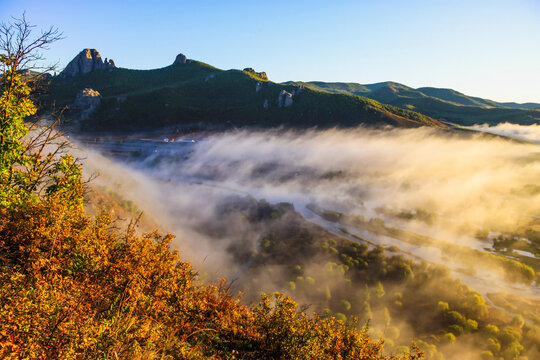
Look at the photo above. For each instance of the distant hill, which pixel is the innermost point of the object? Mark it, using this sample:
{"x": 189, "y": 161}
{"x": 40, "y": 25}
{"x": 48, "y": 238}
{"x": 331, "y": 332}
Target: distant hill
{"x": 191, "y": 95}
{"x": 446, "y": 104}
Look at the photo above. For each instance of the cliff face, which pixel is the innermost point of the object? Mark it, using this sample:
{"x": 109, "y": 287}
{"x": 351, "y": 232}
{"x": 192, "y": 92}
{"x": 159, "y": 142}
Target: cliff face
{"x": 86, "y": 103}
{"x": 87, "y": 61}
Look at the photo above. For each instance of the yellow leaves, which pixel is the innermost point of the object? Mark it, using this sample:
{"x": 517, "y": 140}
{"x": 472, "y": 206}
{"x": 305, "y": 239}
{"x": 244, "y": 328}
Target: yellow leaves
{"x": 132, "y": 296}
{"x": 131, "y": 322}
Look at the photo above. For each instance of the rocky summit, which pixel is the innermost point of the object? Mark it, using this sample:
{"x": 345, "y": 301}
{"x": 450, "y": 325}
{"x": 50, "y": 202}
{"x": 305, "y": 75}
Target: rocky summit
{"x": 180, "y": 59}
{"x": 87, "y": 61}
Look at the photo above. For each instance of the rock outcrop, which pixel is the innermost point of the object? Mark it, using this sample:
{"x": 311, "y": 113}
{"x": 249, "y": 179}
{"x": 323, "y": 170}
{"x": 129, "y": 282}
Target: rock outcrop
{"x": 285, "y": 99}
{"x": 180, "y": 59}
{"x": 86, "y": 103}
{"x": 262, "y": 74}
{"x": 87, "y": 61}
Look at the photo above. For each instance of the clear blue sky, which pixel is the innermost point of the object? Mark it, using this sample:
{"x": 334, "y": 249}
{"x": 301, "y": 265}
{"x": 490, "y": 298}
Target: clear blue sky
{"x": 486, "y": 48}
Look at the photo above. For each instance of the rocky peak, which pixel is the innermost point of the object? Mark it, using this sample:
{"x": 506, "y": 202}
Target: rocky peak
{"x": 180, "y": 59}
{"x": 87, "y": 61}
{"x": 110, "y": 63}
{"x": 262, "y": 74}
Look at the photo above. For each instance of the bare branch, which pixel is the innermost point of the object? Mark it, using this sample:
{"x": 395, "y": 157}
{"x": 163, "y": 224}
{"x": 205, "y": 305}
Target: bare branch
{"x": 17, "y": 44}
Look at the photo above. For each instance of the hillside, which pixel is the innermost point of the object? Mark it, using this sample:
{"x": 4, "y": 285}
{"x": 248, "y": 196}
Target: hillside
{"x": 194, "y": 96}
{"x": 95, "y": 294}
{"x": 438, "y": 103}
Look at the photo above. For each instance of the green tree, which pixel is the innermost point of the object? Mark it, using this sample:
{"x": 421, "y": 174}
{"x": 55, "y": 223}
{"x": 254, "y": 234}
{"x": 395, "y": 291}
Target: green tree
{"x": 517, "y": 321}
{"x": 449, "y": 338}
{"x": 31, "y": 161}
{"x": 378, "y": 291}
{"x": 386, "y": 317}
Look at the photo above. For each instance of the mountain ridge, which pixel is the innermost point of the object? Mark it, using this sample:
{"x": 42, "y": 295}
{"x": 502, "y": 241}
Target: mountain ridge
{"x": 427, "y": 91}
{"x": 191, "y": 95}
{"x": 439, "y": 103}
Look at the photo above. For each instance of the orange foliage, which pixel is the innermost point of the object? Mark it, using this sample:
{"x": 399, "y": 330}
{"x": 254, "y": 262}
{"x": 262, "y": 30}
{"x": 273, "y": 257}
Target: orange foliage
{"x": 72, "y": 288}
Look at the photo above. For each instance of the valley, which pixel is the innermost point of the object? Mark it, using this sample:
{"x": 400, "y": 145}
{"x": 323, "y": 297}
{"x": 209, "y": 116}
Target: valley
{"x": 269, "y": 211}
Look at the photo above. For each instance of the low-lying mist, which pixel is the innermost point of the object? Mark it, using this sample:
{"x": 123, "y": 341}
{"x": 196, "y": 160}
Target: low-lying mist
{"x": 442, "y": 184}
{"x": 529, "y": 133}
{"x": 478, "y": 181}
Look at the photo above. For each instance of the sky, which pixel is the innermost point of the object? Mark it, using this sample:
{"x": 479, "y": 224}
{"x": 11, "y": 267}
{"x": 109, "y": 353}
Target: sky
{"x": 485, "y": 48}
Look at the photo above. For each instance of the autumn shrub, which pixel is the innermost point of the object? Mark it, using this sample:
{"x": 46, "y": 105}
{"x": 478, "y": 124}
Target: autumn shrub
{"x": 72, "y": 287}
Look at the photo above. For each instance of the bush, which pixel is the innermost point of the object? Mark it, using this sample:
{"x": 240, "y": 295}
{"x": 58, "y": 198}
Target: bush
{"x": 494, "y": 346}
{"x": 345, "y": 305}
{"x": 392, "y": 332}
{"x": 471, "y": 325}
{"x": 517, "y": 321}
{"x": 490, "y": 330}
{"x": 455, "y": 318}
{"x": 291, "y": 285}
{"x": 378, "y": 291}
{"x": 486, "y": 355}
{"x": 456, "y": 330}
{"x": 512, "y": 350}
{"x": 449, "y": 338}
{"x": 442, "y": 307}
{"x": 509, "y": 335}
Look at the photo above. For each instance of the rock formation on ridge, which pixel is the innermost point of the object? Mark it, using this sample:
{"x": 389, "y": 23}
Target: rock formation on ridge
{"x": 180, "y": 59}
{"x": 87, "y": 61}
{"x": 261, "y": 74}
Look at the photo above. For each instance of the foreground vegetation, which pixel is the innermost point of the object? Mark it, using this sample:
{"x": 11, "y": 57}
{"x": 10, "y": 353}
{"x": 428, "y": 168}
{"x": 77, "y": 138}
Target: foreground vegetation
{"x": 71, "y": 288}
